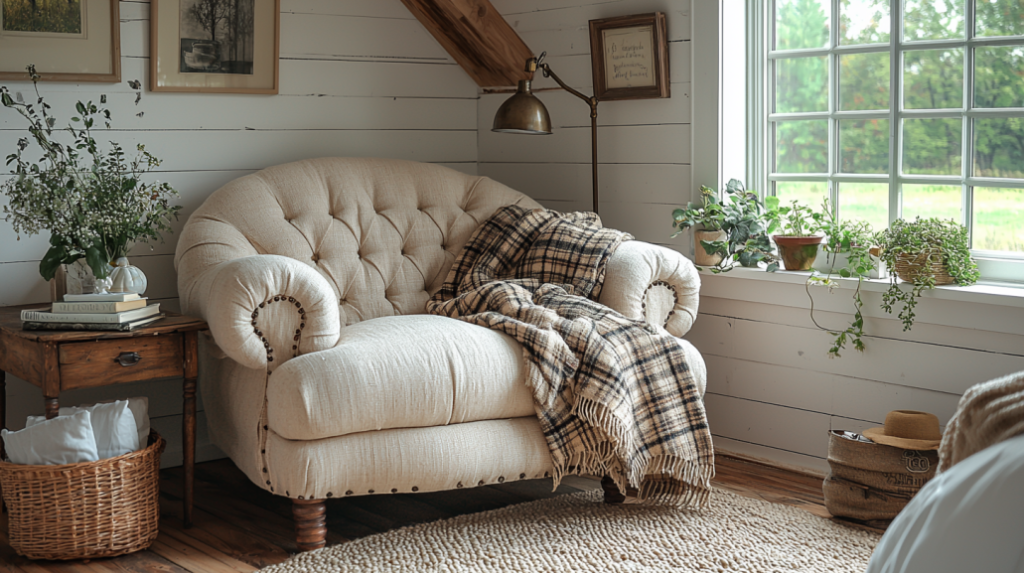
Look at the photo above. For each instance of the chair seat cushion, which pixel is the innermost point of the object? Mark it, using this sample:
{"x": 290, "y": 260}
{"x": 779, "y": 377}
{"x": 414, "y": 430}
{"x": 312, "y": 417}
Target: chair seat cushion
{"x": 410, "y": 371}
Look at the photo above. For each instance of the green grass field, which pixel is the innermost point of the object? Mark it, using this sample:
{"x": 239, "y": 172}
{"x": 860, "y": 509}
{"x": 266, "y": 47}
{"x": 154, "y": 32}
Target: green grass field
{"x": 998, "y": 213}
{"x": 53, "y": 16}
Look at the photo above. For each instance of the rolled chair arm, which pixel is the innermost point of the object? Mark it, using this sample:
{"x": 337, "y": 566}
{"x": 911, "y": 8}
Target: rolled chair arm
{"x": 265, "y": 309}
{"x": 652, "y": 283}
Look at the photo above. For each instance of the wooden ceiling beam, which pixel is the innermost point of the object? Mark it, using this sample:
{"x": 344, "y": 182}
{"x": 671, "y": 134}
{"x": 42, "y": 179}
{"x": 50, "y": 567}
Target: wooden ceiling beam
{"x": 477, "y": 37}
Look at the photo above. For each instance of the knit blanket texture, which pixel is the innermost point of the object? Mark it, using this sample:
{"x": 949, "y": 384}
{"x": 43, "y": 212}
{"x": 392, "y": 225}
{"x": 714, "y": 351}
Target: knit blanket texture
{"x": 614, "y": 395}
{"x": 987, "y": 414}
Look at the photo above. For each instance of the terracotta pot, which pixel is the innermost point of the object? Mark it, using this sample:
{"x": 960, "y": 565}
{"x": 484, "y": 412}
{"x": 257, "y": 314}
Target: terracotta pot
{"x": 700, "y": 256}
{"x": 798, "y": 253}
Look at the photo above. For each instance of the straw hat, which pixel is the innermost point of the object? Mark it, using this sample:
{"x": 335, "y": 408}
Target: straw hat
{"x": 908, "y": 429}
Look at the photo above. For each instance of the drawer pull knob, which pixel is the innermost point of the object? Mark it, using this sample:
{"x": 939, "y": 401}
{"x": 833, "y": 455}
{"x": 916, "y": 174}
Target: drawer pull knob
{"x": 128, "y": 358}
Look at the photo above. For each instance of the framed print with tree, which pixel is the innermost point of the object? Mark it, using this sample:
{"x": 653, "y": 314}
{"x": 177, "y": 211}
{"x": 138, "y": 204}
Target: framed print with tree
{"x": 630, "y": 57}
{"x": 215, "y": 46}
{"x": 66, "y": 40}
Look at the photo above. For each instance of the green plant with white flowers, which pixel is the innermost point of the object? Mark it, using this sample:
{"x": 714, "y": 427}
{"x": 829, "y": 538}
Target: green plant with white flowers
{"x": 94, "y": 203}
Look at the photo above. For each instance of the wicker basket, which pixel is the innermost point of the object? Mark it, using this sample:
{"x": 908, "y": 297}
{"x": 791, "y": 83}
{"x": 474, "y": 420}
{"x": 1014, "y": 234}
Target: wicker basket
{"x": 907, "y": 268}
{"x": 86, "y": 510}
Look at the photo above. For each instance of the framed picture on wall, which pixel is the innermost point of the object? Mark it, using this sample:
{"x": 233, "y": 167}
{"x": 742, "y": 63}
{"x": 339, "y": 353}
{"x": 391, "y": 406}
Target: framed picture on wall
{"x": 215, "y": 46}
{"x": 630, "y": 57}
{"x": 66, "y": 40}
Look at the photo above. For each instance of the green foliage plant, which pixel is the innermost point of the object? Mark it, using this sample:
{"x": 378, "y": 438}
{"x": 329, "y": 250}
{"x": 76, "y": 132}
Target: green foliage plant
{"x": 934, "y": 241}
{"x": 853, "y": 238}
{"x": 94, "y": 203}
{"x": 795, "y": 220}
{"x": 744, "y": 219}
{"x": 709, "y": 213}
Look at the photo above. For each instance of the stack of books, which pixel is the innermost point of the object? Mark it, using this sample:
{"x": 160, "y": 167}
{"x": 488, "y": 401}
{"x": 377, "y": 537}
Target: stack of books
{"x": 113, "y": 311}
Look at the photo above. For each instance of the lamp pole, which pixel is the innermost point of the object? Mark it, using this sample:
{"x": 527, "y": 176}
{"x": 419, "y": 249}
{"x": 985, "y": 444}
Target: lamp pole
{"x": 592, "y": 101}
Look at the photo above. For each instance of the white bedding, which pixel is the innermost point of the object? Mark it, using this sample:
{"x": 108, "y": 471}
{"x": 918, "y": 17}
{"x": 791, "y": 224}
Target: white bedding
{"x": 970, "y": 518}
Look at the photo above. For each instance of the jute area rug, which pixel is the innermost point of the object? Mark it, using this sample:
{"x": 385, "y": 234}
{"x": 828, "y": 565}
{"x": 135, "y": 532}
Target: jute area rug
{"x": 580, "y": 533}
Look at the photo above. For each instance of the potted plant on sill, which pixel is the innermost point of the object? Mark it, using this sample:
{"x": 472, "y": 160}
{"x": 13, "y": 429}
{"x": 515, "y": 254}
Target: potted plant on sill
{"x": 924, "y": 253}
{"x": 846, "y": 244}
{"x": 742, "y": 225}
{"x": 798, "y": 239}
{"x": 706, "y": 219}
{"x": 95, "y": 204}
{"x": 849, "y": 253}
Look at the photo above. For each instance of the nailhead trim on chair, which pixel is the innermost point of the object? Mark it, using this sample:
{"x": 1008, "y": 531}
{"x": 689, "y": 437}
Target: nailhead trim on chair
{"x": 270, "y": 351}
{"x": 298, "y": 332}
{"x": 675, "y": 299}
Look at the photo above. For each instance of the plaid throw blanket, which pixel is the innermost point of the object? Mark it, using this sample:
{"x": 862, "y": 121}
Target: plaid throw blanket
{"x": 614, "y": 396}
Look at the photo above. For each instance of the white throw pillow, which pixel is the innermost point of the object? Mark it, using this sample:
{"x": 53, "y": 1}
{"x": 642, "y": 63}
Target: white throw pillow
{"x": 140, "y": 410}
{"x": 113, "y": 425}
{"x": 62, "y": 440}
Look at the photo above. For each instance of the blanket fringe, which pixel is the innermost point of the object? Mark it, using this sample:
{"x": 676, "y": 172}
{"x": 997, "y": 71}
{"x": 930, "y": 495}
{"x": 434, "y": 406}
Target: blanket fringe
{"x": 677, "y": 481}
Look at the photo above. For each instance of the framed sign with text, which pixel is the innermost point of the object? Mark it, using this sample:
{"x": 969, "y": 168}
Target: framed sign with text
{"x": 630, "y": 57}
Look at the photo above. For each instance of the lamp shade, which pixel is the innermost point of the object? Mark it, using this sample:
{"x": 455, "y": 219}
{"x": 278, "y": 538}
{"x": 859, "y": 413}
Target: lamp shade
{"x": 522, "y": 113}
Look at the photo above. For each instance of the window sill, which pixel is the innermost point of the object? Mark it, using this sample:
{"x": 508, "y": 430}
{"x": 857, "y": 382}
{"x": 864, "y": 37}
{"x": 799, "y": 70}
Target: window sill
{"x": 990, "y": 293}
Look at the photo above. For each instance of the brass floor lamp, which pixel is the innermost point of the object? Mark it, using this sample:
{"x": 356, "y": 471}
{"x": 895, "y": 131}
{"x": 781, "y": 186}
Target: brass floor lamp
{"x": 524, "y": 113}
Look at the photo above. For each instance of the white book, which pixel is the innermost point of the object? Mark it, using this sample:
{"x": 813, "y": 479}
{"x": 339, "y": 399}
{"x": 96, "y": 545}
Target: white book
{"x": 109, "y": 297}
{"x": 96, "y": 307}
{"x": 109, "y": 318}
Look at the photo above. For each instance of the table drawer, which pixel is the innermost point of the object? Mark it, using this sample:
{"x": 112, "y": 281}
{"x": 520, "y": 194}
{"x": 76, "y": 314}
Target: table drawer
{"x": 102, "y": 362}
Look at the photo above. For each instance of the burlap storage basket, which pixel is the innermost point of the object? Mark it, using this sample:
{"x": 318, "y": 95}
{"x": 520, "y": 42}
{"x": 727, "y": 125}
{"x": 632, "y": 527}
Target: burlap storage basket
{"x": 873, "y": 482}
{"x": 92, "y": 509}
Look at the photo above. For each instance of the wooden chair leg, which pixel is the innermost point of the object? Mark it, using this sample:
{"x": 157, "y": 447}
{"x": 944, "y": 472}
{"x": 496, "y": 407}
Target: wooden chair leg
{"x": 611, "y": 491}
{"x": 310, "y": 523}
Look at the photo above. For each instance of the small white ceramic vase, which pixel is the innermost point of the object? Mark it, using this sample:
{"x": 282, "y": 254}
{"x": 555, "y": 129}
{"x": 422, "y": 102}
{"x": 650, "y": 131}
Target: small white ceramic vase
{"x": 126, "y": 278}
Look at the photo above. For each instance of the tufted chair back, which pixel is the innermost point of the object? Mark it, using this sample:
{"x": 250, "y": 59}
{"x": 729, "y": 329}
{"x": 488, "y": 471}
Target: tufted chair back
{"x": 383, "y": 232}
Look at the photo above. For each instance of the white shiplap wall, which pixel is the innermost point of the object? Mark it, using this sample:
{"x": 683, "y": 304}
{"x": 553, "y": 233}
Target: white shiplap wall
{"x": 358, "y": 78}
{"x": 772, "y": 392}
{"x": 643, "y": 145}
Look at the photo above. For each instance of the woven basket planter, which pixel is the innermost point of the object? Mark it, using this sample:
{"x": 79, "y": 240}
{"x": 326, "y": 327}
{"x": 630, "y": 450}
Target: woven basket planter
{"x": 908, "y": 267}
{"x": 82, "y": 511}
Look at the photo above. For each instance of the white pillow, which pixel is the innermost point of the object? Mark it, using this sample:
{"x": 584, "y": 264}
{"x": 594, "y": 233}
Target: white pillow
{"x": 62, "y": 440}
{"x": 113, "y": 425}
{"x": 140, "y": 410}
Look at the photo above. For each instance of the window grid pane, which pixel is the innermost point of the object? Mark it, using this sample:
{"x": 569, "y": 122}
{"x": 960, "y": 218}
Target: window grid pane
{"x": 951, "y": 141}
{"x": 997, "y": 219}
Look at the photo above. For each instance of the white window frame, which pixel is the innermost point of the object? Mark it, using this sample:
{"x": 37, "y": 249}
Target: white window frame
{"x": 996, "y": 266}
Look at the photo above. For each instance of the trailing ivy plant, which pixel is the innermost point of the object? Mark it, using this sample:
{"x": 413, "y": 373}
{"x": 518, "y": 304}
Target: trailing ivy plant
{"x": 94, "y": 203}
{"x": 744, "y": 219}
{"x": 853, "y": 238}
{"x": 935, "y": 241}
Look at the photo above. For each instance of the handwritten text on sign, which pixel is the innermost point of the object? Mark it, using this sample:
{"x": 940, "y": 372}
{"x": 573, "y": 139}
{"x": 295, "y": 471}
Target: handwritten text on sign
{"x": 629, "y": 57}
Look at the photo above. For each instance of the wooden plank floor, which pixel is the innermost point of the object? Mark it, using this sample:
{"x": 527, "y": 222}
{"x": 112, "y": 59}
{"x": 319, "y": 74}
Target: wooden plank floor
{"x": 240, "y": 527}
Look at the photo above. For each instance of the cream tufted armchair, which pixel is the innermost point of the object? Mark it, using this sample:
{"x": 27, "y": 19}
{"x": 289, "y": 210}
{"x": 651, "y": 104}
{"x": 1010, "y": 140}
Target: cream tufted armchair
{"x": 322, "y": 377}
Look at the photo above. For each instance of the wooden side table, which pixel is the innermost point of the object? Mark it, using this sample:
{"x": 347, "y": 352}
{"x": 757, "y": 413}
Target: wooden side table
{"x": 72, "y": 359}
